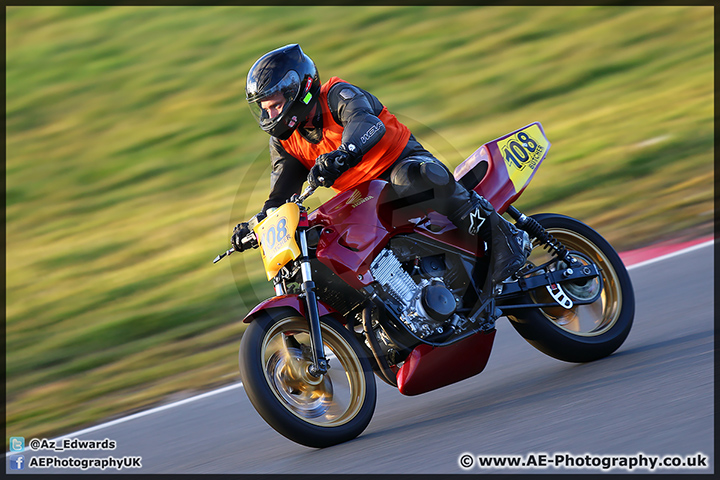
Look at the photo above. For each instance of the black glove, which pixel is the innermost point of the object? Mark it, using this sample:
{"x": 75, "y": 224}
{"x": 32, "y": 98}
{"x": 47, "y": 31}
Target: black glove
{"x": 241, "y": 231}
{"x": 330, "y": 166}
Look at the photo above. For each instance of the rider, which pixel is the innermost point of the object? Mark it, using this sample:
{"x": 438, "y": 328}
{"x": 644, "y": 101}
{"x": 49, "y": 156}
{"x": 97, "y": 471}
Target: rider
{"x": 338, "y": 135}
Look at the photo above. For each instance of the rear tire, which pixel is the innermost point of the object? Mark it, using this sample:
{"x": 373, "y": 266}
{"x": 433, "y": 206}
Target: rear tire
{"x": 274, "y": 356}
{"x": 584, "y": 332}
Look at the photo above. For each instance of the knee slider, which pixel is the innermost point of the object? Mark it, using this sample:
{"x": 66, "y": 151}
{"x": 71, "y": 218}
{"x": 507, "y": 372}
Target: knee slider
{"x": 434, "y": 175}
{"x": 415, "y": 176}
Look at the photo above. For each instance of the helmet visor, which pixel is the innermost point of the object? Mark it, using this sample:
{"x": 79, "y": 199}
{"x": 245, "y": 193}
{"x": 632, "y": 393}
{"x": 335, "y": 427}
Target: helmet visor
{"x": 268, "y": 106}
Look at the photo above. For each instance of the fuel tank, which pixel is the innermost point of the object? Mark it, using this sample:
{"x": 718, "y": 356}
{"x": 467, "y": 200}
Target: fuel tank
{"x": 356, "y": 226}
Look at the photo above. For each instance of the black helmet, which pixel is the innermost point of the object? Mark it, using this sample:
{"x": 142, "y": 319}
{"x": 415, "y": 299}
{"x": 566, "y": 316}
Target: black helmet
{"x": 286, "y": 70}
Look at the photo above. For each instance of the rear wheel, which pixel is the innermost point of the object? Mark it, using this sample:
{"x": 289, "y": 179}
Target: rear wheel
{"x": 582, "y": 333}
{"x": 316, "y": 412}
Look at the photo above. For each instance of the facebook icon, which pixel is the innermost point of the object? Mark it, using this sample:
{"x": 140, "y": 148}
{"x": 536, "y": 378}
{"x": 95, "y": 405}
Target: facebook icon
{"x": 17, "y": 462}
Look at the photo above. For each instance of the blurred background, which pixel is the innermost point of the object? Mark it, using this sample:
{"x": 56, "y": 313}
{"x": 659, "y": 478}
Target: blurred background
{"x": 131, "y": 154}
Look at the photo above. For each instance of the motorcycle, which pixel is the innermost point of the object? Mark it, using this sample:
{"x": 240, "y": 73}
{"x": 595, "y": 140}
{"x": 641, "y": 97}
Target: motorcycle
{"x": 369, "y": 285}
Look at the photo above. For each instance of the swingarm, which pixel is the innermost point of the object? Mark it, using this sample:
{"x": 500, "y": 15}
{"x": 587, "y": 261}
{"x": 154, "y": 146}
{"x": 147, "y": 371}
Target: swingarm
{"x": 553, "y": 281}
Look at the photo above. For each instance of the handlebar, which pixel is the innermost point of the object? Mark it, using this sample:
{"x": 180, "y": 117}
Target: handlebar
{"x": 309, "y": 190}
{"x": 223, "y": 255}
{"x": 248, "y": 240}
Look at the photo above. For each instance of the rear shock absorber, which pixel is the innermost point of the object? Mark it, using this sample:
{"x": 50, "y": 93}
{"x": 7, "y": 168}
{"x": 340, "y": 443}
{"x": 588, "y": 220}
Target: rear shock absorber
{"x": 536, "y": 230}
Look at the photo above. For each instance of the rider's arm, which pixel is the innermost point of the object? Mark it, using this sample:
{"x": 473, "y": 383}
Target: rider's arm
{"x": 357, "y": 111}
{"x": 287, "y": 177}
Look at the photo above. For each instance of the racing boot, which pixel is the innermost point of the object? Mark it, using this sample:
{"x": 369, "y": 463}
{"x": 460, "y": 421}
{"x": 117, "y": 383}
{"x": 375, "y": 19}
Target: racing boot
{"x": 509, "y": 246}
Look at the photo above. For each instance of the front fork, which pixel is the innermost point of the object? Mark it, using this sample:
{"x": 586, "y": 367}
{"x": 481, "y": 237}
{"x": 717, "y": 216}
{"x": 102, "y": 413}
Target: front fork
{"x": 319, "y": 364}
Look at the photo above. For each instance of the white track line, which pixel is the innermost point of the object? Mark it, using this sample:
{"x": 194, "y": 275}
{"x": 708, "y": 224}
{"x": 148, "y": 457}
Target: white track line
{"x": 140, "y": 414}
{"x": 239, "y": 385}
{"x": 670, "y": 255}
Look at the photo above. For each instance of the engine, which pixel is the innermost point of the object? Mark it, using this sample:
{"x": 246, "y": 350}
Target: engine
{"x": 427, "y": 306}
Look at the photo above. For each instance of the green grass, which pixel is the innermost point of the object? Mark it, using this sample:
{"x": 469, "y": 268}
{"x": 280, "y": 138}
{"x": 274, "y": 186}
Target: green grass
{"x": 131, "y": 154}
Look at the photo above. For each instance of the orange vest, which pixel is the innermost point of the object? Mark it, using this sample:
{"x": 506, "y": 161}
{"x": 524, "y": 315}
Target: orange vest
{"x": 373, "y": 163}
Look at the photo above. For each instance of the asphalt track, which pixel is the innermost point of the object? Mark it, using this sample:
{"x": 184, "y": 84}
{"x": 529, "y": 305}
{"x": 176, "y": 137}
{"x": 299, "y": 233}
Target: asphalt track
{"x": 653, "y": 397}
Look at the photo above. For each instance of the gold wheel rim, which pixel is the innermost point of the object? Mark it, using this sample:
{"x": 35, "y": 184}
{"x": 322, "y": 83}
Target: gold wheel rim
{"x": 329, "y": 401}
{"x": 583, "y": 320}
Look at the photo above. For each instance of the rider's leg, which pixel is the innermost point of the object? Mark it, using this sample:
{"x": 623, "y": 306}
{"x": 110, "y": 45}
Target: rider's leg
{"x": 467, "y": 210}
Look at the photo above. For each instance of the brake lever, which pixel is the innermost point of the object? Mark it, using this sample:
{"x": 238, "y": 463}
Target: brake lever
{"x": 309, "y": 190}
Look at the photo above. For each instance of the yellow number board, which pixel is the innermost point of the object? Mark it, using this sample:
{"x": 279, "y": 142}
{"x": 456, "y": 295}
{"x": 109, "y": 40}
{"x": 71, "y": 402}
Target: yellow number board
{"x": 276, "y": 236}
{"x": 522, "y": 151}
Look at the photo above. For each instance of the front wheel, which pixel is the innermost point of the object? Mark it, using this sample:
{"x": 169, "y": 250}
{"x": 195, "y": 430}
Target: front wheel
{"x": 316, "y": 412}
{"x": 582, "y": 333}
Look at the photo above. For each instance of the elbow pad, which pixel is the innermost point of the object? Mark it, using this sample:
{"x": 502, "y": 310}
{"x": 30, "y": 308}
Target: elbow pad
{"x": 361, "y": 135}
{"x": 356, "y": 110}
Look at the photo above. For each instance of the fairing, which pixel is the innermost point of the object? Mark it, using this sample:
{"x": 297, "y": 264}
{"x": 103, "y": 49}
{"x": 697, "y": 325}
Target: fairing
{"x": 429, "y": 368}
{"x": 495, "y": 174}
{"x": 357, "y": 225}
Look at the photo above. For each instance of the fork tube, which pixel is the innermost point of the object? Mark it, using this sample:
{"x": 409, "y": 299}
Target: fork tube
{"x": 319, "y": 366}
{"x": 278, "y": 286}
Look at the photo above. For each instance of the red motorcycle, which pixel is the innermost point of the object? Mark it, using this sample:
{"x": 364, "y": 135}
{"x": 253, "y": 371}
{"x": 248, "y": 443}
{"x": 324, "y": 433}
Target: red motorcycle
{"x": 368, "y": 284}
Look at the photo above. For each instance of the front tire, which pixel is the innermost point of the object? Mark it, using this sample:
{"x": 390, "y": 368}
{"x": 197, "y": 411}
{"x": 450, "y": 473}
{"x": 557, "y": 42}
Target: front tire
{"x": 582, "y": 333}
{"x": 315, "y": 412}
